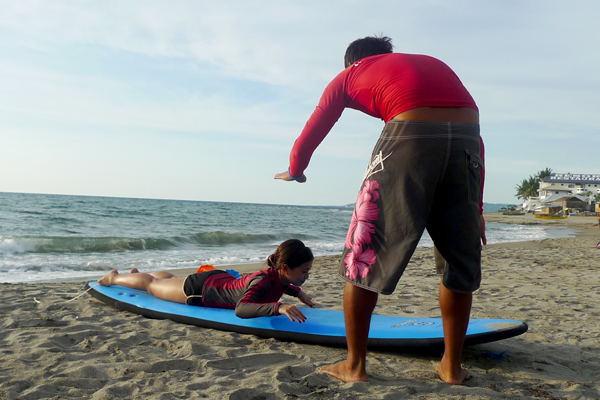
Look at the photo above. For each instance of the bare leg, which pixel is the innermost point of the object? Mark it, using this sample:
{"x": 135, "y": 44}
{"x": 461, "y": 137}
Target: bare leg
{"x": 359, "y": 304}
{"x": 456, "y": 308}
{"x": 161, "y": 274}
{"x": 157, "y": 274}
{"x": 170, "y": 288}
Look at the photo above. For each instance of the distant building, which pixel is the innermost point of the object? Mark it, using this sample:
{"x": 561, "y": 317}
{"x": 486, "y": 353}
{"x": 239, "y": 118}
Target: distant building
{"x": 579, "y": 184}
{"x": 567, "y": 189}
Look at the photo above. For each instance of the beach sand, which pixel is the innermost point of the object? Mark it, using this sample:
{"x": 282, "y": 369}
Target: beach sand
{"x": 83, "y": 349}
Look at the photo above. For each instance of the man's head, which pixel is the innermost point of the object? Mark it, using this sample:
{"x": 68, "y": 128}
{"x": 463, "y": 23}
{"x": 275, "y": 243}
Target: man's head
{"x": 365, "y": 47}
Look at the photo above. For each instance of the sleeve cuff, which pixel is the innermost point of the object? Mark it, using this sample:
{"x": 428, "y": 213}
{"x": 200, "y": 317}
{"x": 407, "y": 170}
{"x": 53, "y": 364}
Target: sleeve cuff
{"x": 293, "y": 178}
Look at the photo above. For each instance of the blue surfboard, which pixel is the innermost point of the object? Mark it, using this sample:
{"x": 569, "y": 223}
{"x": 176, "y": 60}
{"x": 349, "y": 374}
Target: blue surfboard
{"x": 323, "y": 327}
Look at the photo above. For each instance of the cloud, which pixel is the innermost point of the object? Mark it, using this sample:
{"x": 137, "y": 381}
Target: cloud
{"x": 205, "y": 74}
{"x": 231, "y": 36}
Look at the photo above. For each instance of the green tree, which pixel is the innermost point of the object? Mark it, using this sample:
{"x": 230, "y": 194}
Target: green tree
{"x": 530, "y": 187}
{"x": 521, "y": 189}
{"x": 543, "y": 174}
{"x": 597, "y": 197}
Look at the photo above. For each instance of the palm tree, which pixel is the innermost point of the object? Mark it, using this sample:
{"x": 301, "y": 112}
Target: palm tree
{"x": 522, "y": 189}
{"x": 528, "y": 188}
{"x": 543, "y": 174}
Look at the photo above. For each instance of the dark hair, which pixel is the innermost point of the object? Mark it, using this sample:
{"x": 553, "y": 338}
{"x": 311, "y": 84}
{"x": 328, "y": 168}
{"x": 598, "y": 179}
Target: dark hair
{"x": 365, "y": 47}
{"x": 292, "y": 253}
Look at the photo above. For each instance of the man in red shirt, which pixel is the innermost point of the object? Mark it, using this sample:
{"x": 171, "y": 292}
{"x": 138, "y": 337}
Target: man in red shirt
{"x": 426, "y": 172}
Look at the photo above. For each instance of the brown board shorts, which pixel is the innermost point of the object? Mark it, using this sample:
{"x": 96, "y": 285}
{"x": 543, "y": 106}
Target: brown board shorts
{"x": 422, "y": 175}
{"x": 440, "y": 263}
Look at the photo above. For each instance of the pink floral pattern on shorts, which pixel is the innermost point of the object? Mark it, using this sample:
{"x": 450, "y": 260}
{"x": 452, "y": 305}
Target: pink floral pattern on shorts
{"x": 361, "y": 257}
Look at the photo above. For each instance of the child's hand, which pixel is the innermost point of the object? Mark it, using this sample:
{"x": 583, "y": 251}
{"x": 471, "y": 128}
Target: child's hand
{"x": 292, "y": 312}
{"x": 303, "y": 297}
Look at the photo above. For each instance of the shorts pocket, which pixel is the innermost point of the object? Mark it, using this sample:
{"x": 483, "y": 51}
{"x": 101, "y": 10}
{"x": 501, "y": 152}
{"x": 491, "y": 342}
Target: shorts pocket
{"x": 474, "y": 168}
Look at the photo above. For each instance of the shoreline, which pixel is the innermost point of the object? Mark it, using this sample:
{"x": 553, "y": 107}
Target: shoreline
{"x": 586, "y": 229}
{"x": 55, "y": 348}
{"x": 579, "y": 224}
{"x": 529, "y": 219}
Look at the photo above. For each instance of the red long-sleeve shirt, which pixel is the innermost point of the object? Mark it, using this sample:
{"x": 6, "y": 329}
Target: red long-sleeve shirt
{"x": 382, "y": 86}
{"x": 253, "y": 295}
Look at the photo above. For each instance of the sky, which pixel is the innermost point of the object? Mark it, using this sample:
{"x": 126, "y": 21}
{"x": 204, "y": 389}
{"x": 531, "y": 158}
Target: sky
{"x": 202, "y": 100}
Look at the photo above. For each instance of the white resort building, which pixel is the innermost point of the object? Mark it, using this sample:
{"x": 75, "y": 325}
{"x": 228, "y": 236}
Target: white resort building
{"x": 568, "y": 190}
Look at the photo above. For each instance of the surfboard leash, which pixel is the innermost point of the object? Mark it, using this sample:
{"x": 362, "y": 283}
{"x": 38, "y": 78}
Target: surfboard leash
{"x": 76, "y": 297}
{"x": 81, "y": 294}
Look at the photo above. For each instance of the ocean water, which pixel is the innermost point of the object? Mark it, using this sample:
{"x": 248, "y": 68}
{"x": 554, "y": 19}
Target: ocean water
{"x": 44, "y": 237}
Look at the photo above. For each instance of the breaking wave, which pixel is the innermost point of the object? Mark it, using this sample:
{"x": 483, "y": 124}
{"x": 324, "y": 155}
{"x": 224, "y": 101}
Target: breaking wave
{"x": 74, "y": 244}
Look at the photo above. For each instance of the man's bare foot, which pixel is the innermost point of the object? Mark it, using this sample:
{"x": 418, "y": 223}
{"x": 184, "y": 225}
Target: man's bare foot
{"x": 450, "y": 377}
{"x": 134, "y": 271}
{"x": 344, "y": 372}
{"x": 108, "y": 278}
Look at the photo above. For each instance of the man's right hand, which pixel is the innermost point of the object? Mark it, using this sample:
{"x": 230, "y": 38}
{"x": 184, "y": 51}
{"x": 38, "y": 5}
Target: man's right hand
{"x": 285, "y": 176}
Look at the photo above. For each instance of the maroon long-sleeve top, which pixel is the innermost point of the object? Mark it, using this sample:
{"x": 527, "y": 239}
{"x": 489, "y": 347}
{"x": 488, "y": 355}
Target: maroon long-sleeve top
{"x": 382, "y": 86}
{"x": 253, "y": 295}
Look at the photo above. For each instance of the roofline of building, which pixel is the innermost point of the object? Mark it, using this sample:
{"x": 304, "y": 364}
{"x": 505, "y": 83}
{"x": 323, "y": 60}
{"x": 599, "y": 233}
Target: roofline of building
{"x": 572, "y": 178}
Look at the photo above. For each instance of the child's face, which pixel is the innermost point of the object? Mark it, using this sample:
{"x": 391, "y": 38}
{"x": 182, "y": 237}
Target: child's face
{"x": 298, "y": 275}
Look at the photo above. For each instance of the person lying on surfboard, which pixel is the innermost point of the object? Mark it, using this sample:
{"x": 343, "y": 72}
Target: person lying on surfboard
{"x": 253, "y": 295}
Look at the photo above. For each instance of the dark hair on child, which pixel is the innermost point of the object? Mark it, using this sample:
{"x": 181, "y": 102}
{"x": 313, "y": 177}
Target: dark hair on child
{"x": 365, "y": 47}
{"x": 292, "y": 253}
